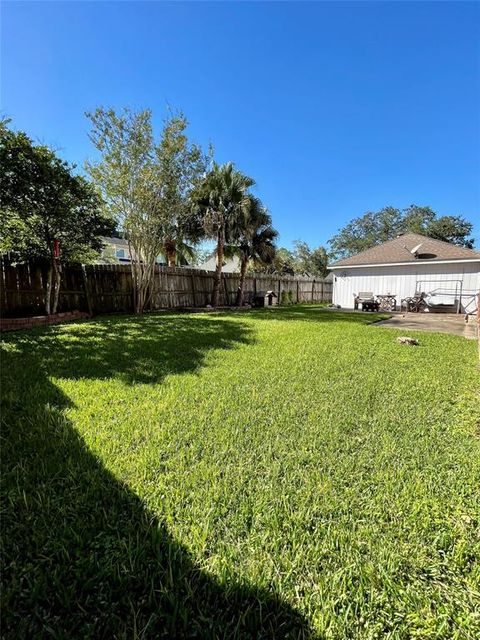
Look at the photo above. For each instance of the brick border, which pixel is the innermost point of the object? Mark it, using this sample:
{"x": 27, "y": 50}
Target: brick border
{"x": 14, "y": 324}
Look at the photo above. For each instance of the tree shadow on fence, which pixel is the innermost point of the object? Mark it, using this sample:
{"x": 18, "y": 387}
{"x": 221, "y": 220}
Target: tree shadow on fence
{"x": 82, "y": 555}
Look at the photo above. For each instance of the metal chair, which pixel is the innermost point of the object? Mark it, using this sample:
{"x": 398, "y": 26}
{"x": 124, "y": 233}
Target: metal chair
{"x": 415, "y": 303}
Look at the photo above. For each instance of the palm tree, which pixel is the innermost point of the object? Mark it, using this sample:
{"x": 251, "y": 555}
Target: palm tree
{"x": 253, "y": 239}
{"x": 221, "y": 199}
{"x": 184, "y": 234}
{"x": 178, "y": 251}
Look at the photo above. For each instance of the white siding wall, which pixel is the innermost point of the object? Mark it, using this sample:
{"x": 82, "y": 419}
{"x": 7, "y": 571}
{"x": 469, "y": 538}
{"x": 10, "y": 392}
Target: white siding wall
{"x": 401, "y": 281}
{"x": 231, "y": 265}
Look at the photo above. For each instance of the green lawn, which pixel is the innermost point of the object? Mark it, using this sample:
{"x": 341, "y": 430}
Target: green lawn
{"x": 273, "y": 474}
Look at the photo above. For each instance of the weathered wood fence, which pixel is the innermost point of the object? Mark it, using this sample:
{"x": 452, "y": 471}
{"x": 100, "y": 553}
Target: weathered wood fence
{"x": 109, "y": 288}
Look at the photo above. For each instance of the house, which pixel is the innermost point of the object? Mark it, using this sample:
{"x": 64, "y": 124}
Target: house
{"x": 411, "y": 263}
{"x": 230, "y": 265}
{"x": 116, "y": 250}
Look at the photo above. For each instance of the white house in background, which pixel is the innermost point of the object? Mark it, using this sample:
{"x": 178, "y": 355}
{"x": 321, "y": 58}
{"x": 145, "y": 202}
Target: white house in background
{"x": 230, "y": 265}
{"x": 410, "y": 263}
{"x": 116, "y": 250}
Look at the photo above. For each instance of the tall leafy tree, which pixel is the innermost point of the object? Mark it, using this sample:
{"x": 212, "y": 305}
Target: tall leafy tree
{"x": 375, "y": 227}
{"x": 253, "y": 240}
{"x": 310, "y": 261}
{"x": 303, "y": 260}
{"x": 146, "y": 184}
{"x": 414, "y": 219}
{"x": 48, "y": 213}
{"x": 283, "y": 263}
{"x": 454, "y": 229}
{"x": 181, "y": 165}
{"x": 219, "y": 201}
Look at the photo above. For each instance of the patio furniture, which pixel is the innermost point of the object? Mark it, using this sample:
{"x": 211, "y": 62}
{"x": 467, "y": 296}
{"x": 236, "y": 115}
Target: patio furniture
{"x": 367, "y": 300}
{"x": 370, "y": 305}
{"x": 415, "y": 303}
{"x": 387, "y": 302}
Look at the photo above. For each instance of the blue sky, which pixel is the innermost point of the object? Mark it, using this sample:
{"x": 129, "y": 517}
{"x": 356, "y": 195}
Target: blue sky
{"x": 334, "y": 108}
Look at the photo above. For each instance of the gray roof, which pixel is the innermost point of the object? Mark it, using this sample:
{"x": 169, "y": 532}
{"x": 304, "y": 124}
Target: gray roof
{"x": 399, "y": 250}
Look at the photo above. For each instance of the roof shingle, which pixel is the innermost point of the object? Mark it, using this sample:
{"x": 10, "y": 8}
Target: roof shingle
{"x": 399, "y": 250}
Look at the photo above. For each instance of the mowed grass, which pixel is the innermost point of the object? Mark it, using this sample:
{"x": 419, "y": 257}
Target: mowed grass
{"x": 287, "y": 473}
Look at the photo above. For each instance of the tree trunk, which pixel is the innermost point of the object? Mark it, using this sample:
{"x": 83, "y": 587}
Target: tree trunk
{"x": 241, "y": 284}
{"x": 150, "y": 284}
{"x": 218, "y": 270}
{"x": 141, "y": 292}
{"x": 143, "y": 273}
{"x": 57, "y": 270}
{"x": 48, "y": 293}
{"x": 133, "y": 267}
{"x": 145, "y": 281}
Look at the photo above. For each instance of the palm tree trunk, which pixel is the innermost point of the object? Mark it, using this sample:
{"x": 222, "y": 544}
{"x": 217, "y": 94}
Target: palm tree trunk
{"x": 241, "y": 284}
{"x": 218, "y": 270}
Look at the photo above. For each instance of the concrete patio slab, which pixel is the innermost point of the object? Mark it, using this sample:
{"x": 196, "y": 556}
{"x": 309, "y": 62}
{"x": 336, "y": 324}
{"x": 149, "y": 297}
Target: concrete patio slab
{"x": 442, "y": 323}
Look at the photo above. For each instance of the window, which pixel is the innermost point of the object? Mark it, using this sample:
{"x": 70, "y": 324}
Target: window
{"x": 120, "y": 253}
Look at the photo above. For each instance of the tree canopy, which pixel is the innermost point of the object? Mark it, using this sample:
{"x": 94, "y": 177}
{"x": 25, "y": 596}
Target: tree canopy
{"x": 146, "y": 184}
{"x": 47, "y": 212}
{"x": 302, "y": 260}
{"x": 310, "y": 261}
{"x": 375, "y": 227}
{"x": 221, "y": 201}
{"x": 252, "y": 240}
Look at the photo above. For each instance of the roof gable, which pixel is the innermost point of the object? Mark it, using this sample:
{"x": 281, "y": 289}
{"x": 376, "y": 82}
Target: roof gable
{"x": 121, "y": 242}
{"x": 400, "y": 250}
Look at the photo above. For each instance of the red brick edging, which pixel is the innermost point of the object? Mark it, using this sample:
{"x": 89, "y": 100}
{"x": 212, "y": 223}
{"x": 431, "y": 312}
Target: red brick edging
{"x": 12, "y": 324}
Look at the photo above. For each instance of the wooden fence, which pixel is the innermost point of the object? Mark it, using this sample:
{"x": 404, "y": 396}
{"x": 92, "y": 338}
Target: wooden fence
{"x": 109, "y": 288}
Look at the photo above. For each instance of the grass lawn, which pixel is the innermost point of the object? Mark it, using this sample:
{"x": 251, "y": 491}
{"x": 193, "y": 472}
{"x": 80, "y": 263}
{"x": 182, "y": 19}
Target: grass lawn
{"x": 272, "y": 474}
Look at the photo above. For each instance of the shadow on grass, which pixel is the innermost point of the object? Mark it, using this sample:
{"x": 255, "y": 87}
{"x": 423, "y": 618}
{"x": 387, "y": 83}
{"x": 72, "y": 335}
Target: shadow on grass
{"x": 319, "y": 314}
{"x": 134, "y": 349}
{"x": 82, "y": 556}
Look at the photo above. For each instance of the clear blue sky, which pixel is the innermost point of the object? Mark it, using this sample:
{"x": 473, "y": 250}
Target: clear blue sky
{"x": 334, "y": 108}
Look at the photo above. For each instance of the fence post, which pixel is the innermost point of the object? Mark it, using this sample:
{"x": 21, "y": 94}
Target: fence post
{"x": 227, "y": 299}
{"x": 192, "y": 277}
{"x": 298, "y": 285}
{"x": 88, "y": 295}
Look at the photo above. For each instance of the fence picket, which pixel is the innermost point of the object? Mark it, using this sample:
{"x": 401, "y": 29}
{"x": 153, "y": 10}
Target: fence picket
{"x": 109, "y": 288}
